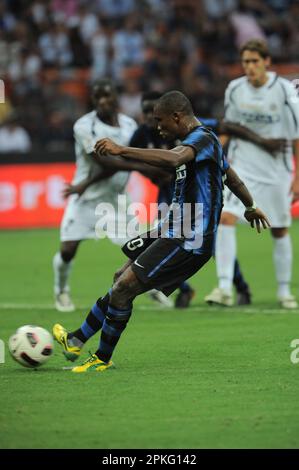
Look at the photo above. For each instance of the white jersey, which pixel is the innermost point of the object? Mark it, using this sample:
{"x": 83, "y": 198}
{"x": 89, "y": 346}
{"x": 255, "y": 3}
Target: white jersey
{"x": 87, "y": 131}
{"x": 271, "y": 111}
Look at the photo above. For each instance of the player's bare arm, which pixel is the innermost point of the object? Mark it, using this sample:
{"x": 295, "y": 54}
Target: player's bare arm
{"x": 117, "y": 163}
{"x": 159, "y": 157}
{"x": 81, "y": 187}
{"x": 252, "y": 214}
{"x": 129, "y": 164}
{"x": 236, "y": 130}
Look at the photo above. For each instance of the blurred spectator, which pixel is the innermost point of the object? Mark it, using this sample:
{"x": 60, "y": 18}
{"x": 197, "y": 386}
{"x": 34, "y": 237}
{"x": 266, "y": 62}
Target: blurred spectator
{"x": 39, "y": 11}
{"x": 101, "y": 52}
{"x": 64, "y": 10}
{"x": 216, "y": 9}
{"x": 24, "y": 70}
{"x": 88, "y": 23}
{"x": 279, "y": 6}
{"x": 113, "y": 9}
{"x": 13, "y": 137}
{"x": 80, "y": 51}
{"x": 130, "y": 99}
{"x": 292, "y": 22}
{"x": 55, "y": 46}
{"x": 245, "y": 24}
{"x": 128, "y": 45}
{"x": 7, "y": 20}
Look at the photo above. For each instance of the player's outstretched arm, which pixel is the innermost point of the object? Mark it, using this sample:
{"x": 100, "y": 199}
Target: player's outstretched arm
{"x": 153, "y": 172}
{"x": 252, "y": 213}
{"x": 236, "y": 130}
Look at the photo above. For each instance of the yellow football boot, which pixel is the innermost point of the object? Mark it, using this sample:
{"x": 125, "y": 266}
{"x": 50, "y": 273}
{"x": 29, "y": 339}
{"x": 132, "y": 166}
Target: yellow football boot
{"x": 93, "y": 364}
{"x": 60, "y": 335}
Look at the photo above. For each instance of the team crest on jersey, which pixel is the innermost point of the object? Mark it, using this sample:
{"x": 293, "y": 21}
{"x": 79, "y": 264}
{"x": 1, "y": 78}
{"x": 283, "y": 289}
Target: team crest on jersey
{"x": 181, "y": 172}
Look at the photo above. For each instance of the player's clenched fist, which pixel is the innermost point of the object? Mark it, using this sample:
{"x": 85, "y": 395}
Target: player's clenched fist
{"x": 107, "y": 147}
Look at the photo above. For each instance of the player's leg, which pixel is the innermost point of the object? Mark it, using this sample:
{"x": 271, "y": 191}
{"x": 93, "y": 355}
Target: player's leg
{"x": 123, "y": 292}
{"x": 283, "y": 257}
{"x": 242, "y": 287}
{"x": 62, "y": 266}
{"x": 185, "y": 295}
{"x": 226, "y": 250}
{"x": 225, "y": 255}
{"x": 119, "y": 311}
{"x": 72, "y": 342}
{"x": 96, "y": 316}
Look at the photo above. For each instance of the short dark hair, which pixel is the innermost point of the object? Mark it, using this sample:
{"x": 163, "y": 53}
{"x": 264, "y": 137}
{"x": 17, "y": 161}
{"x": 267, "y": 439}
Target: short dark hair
{"x": 150, "y": 96}
{"x": 175, "y": 101}
{"x": 99, "y": 86}
{"x": 256, "y": 45}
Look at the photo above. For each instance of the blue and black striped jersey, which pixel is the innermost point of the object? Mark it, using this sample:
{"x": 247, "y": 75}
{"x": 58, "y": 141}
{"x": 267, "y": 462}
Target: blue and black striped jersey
{"x": 197, "y": 196}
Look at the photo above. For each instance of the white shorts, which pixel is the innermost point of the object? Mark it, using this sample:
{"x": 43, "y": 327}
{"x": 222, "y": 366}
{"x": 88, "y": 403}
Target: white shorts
{"x": 80, "y": 220}
{"x": 274, "y": 200}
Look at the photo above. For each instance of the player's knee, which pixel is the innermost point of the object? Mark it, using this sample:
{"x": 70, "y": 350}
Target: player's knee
{"x": 121, "y": 291}
{"x": 67, "y": 255}
{"x": 68, "y": 250}
{"x": 228, "y": 219}
{"x": 279, "y": 232}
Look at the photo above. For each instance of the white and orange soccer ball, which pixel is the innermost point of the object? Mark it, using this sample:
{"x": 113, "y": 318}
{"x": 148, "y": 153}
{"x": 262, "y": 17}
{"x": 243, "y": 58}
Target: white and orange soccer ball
{"x": 31, "y": 346}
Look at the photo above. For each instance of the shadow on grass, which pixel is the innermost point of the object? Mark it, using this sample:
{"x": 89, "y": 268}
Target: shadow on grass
{"x": 44, "y": 370}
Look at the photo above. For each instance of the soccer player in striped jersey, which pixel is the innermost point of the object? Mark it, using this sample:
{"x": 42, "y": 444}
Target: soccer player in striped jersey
{"x": 173, "y": 255}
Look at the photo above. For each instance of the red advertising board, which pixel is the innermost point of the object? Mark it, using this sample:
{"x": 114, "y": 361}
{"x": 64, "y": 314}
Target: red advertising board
{"x": 31, "y": 195}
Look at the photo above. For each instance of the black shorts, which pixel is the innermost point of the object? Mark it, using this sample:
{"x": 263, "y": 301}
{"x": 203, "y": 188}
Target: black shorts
{"x": 161, "y": 263}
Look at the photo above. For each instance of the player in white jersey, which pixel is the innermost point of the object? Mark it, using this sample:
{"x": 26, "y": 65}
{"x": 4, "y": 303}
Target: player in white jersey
{"x": 79, "y": 218}
{"x": 268, "y": 105}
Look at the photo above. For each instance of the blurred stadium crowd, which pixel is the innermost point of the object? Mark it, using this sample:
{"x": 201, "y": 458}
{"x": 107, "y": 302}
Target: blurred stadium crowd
{"x": 51, "y": 50}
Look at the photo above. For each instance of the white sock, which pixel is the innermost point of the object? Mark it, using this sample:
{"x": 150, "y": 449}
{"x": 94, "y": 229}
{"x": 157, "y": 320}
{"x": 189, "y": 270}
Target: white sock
{"x": 61, "y": 274}
{"x": 225, "y": 256}
{"x": 283, "y": 258}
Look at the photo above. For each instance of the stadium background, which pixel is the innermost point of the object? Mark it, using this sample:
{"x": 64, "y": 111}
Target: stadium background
{"x": 199, "y": 378}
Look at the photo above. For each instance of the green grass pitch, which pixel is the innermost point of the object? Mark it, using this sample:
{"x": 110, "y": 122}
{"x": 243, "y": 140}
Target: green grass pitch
{"x": 200, "y": 378}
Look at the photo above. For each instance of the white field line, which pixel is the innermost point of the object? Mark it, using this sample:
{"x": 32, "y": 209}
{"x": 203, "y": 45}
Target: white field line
{"x": 208, "y": 309}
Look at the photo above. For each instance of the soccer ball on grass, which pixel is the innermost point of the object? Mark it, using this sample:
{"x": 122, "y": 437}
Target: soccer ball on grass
{"x": 31, "y": 346}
